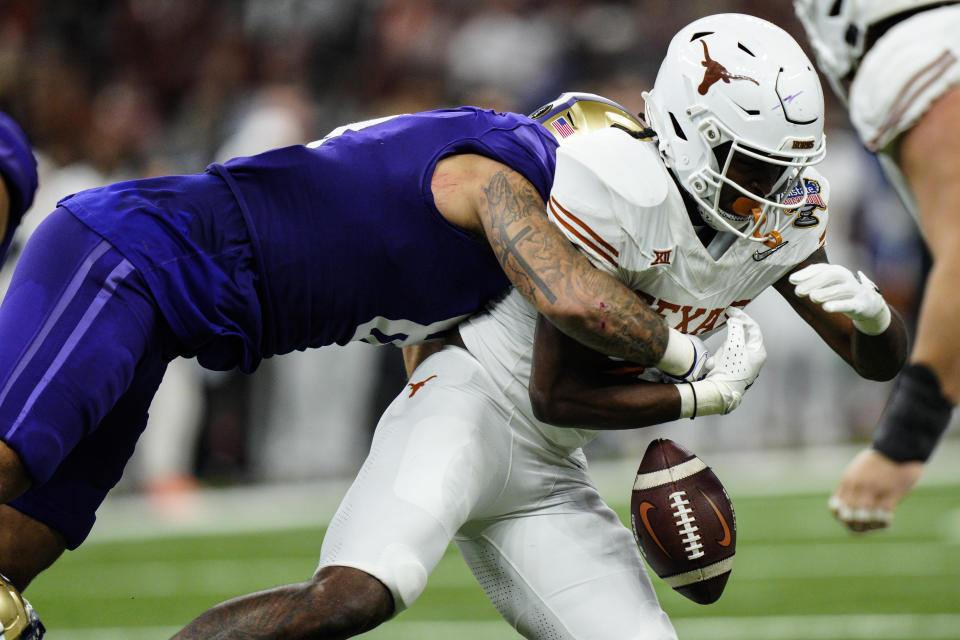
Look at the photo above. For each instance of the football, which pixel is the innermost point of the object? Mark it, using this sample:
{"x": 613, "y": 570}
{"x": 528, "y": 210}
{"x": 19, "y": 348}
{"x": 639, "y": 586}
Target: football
{"x": 683, "y": 521}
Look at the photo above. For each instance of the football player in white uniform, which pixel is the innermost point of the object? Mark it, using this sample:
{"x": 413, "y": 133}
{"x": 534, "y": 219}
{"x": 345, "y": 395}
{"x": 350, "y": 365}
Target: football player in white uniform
{"x": 466, "y": 453}
{"x": 896, "y": 63}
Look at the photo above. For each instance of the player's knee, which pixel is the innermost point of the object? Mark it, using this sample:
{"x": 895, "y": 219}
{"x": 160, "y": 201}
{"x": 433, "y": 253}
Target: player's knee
{"x": 362, "y": 601}
{"x": 404, "y": 574}
{"x": 400, "y": 571}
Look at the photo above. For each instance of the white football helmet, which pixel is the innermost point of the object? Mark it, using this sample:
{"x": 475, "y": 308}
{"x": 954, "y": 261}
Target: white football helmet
{"x": 837, "y": 30}
{"x": 737, "y": 79}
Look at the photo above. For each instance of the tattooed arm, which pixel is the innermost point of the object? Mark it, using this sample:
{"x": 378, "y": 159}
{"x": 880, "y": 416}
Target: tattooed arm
{"x": 490, "y": 200}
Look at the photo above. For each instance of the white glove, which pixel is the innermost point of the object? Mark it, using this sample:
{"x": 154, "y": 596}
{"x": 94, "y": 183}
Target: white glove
{"x": 837, "y": 290}
{"x": 699, "y": 367}
{"x": 731, "y": 371}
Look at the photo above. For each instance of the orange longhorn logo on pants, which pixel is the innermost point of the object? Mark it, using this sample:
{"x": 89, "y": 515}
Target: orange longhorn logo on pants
{"x": 415, "y": 386}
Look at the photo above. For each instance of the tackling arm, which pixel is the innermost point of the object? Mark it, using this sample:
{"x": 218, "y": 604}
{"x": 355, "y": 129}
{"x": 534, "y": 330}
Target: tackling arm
{"x": 875, "y": 357}
{"x": 586, "y": 304}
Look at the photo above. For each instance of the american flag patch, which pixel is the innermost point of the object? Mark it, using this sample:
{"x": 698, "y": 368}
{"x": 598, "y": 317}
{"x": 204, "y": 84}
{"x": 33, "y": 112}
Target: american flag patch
{"x": 813, "y": 194}
{"x": 562, "y": 127}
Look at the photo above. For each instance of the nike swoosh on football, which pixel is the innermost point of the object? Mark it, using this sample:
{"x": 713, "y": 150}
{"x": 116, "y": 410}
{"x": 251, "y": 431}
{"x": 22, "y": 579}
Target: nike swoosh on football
{"x": 644, "y": 507}
{"x": 760, "y": 255}
{"x": 725, "y": 540}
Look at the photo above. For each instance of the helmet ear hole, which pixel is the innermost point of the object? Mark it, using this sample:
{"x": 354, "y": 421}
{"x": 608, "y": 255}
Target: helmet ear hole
{"x": 676, "y": 127}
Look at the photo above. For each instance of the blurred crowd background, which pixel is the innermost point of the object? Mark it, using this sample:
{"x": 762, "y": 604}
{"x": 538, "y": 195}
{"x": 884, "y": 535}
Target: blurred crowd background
{"x": 111, "y": 90}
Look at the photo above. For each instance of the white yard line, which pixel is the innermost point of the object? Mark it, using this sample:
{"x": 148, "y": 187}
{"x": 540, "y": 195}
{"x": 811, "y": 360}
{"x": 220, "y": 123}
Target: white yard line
{"x": 206, "y": 577}
{"x": 816, "y": 627}
{"x": 813, "y": 627}
{"x": 762, "y": 472}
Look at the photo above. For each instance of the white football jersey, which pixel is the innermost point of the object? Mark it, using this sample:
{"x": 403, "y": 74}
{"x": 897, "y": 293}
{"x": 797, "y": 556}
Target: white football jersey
{"x": 501, "y": 338}
{"x": 615, "y": 200}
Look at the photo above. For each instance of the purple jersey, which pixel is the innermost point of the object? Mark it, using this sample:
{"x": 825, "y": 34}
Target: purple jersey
{"x": 294, "y": 248}
{"x": 344, "y": 239}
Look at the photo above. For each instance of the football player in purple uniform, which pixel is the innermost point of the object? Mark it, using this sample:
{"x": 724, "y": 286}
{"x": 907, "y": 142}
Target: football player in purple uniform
{"x": 387, "y": 231}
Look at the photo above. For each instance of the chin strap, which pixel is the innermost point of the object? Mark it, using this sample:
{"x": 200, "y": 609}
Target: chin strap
{"x": 771, "y": 238}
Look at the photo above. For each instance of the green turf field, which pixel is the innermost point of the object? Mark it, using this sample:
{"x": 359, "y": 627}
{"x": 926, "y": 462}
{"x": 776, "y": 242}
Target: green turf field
{"x": 798, "y": 575}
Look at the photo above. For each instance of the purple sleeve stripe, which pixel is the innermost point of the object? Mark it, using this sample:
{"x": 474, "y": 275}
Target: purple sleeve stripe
{"x": 65, "y": 298}
{"x": 121, "y": 271}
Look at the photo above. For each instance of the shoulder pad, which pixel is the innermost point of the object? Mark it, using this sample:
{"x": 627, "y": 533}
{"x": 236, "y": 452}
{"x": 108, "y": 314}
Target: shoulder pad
{"x": 604, "y": 184}
{"x": 628, "y": 167}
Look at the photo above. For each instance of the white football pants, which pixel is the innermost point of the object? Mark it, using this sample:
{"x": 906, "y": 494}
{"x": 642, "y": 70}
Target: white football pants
{"x": 450, "y": 460}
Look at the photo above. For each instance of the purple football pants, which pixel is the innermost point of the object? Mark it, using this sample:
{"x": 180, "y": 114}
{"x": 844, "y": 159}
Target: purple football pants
{"x": 82, "y": 351}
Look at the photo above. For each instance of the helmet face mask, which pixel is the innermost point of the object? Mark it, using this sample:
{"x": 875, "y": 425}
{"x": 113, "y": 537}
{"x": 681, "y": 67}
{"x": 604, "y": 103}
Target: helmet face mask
{"x": 738, "y": 111}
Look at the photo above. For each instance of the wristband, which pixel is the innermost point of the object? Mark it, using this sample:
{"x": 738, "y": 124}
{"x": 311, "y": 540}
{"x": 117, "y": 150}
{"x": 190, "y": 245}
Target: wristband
{"x": 688, "y": 400}
{"x": 915, "y": 418}
{"x": 709, "y": 398}
{"x": 680, "y": 355}
{"x": 701, "y": 398}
